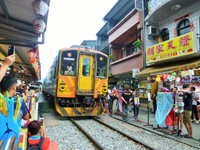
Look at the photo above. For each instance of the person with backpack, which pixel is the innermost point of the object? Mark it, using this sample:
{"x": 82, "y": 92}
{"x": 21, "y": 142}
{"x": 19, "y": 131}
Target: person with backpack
{"x": 36, "y": 141}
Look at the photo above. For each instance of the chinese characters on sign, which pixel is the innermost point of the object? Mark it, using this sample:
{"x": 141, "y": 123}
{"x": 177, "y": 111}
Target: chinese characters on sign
{"x": 176, "y": 47}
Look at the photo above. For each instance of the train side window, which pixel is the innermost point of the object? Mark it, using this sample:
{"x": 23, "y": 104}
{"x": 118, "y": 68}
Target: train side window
{"x": 86, "y": 67}
{"x": 68, "y": 63}
{"x": 55, "y": 72}
{"x": 101, "y": 66}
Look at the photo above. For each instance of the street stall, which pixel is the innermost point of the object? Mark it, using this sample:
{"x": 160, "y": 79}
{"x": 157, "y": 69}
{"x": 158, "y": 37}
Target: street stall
{"x": 22, "y": 25}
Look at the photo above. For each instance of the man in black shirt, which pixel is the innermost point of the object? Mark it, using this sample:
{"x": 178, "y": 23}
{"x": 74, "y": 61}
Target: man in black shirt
{"x": 126, "y": 97}
{"x": 187, "y": 99}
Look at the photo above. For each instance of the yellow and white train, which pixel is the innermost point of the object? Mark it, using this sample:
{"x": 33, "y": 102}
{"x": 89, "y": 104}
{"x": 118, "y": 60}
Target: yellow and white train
{"x": 78, "y": 82}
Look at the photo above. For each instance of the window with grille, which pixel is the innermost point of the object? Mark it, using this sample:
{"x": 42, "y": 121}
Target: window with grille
{"x": 165, "y": 34}
{"x": 183, "y": 27}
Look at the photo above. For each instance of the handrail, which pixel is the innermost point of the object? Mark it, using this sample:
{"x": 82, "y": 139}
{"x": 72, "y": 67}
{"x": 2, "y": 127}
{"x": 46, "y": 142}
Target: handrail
{"x": 10, "y": 142}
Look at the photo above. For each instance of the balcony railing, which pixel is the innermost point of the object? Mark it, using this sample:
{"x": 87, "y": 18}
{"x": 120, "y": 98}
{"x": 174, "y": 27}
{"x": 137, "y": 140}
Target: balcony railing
{"x": 103, "y": 45}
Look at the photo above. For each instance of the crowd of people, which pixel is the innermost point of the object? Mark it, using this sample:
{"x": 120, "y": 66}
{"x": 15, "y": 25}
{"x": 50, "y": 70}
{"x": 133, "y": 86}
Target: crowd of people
{"x": 185, "y": 103}
{"x": 123, "y": 102}
{"x": 20, "y": 95}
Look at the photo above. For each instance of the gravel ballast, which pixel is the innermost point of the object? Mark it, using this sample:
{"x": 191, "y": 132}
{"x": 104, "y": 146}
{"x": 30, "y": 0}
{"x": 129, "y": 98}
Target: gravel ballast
{"x": 108, "y": 138}
{"x": 158, "y": 142}
{"x": 68, "y": 136}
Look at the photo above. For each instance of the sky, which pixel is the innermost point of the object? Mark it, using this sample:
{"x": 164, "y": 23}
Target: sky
{"x": 70, "y": 22}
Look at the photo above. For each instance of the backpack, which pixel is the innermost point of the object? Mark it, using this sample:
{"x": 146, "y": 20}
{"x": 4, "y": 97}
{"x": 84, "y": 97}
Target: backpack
{"x": 37, "y": 146}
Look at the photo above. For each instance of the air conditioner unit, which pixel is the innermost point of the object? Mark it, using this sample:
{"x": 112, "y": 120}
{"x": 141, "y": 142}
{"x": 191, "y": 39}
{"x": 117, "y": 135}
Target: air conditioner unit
{"x": 152, "y": 31}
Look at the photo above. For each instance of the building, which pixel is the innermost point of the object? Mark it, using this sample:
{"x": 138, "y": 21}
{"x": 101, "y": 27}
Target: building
{"x": 122, "y": 28}
{"x": 89, "y": 43}
{"x": 171, "y": 35}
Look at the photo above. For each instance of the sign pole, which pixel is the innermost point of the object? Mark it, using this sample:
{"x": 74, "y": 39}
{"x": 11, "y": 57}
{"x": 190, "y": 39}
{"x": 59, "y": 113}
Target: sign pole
{"x": 149, "y": 100}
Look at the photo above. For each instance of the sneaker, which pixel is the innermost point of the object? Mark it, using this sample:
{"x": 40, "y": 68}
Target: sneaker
{"x": 197, "y": 122}
{"x": 175, "y": 131}
{"x": 180, "y": 132}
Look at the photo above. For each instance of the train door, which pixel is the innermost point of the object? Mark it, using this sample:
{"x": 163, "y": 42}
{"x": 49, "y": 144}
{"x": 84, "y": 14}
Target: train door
{"x": 86, "y": 74}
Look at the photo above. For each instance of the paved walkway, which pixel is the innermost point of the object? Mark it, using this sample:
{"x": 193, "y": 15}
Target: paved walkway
{"x": 143, "y": 115}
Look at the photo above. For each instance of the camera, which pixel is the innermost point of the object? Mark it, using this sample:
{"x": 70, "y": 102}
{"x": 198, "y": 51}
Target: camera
{"x": 11, "y": 50}
{"x": 41, "y": 120}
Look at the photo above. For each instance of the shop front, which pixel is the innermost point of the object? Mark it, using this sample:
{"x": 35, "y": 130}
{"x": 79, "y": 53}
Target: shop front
{"x": 172, "y": 63}
{"x": 145, "y": 86}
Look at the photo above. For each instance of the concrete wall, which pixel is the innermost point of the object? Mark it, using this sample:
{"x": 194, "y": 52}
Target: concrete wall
{"x": 127, "y": 64}
{"x": 119, "y": 30}
{"x": 171, "y": 24}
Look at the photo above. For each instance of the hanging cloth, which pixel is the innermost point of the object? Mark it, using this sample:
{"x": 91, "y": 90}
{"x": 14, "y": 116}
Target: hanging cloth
{"x": 164, "y": 106}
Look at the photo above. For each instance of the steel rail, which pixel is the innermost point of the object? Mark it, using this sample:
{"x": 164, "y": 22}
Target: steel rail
{"x": 126, "y": 135}
{"x": 96, "y": 143}
{"x": 159, "y": 134}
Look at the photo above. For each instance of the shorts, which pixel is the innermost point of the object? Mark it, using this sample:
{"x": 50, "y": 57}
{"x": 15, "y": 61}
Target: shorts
{"x": 187, "y": 116}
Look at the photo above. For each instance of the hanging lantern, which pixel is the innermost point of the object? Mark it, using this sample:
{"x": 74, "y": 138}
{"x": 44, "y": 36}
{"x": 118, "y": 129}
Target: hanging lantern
{"x": 123, "y": 48}
{"x": 149, "y": 78}
{"x": 37, "y": 51}
{"x": 39, "y": 26}
{"x": 31, "y": 54}
{"x": 15, "y": 69}
{"x": 158, "y": 78}
{"x": 169, "y": 77}
{"x": 173, "y": 73}
{"x": 32, "y": 61}
{"x": 173, "y": 78}
{"x": 161, "y": 77}
{"x": 40, "y": 7}
{"x": 165, "y": 77}
{"x": 178, "y": 79}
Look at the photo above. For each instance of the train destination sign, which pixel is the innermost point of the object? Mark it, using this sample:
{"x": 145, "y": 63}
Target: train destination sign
{"x": 71, "y": 59}
{"x": 177, "y": 47}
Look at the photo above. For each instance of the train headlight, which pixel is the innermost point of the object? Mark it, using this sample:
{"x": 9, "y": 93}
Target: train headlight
{"x": 104, "y": 89}
{"x": 62, "y": 87}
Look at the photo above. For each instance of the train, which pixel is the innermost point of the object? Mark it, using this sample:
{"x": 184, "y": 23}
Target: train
{"x": 77, "y": 82}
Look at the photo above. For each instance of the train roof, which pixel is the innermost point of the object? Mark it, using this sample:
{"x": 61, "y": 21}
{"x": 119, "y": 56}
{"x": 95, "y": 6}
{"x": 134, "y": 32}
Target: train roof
{"x": 84, "y": 49}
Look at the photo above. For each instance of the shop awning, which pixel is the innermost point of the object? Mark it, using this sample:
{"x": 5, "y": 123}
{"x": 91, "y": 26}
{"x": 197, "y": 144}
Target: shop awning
{"x": 171, "y": 67}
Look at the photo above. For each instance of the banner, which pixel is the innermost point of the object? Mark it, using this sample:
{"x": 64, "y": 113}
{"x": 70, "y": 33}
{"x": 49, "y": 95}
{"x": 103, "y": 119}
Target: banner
{"x": 134, "y": 72}
{"x": 187, "y": 73}
{"x": 164, "y": 106}
{"x": 177, "y": 47}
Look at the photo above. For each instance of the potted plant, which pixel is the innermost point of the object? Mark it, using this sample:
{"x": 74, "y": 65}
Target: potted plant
{"x": 111, "y": 56}
{"x": 137, "y": 44}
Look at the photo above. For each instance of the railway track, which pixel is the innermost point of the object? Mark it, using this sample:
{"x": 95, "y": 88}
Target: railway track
{"x": 95, "y": 142}
{"x": 104, "y": 129}
{"x": 158, "y": 134}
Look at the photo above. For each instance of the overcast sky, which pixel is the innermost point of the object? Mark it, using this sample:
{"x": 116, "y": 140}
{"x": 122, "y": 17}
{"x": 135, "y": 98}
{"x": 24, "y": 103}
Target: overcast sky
{"x": 70, "y": 22}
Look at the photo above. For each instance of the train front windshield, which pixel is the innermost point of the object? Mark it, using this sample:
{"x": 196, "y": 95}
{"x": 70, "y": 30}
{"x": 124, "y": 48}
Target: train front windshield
{"x": 68, "y": 63}
{"x": 102, "y": 63}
